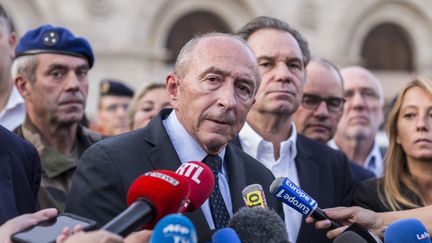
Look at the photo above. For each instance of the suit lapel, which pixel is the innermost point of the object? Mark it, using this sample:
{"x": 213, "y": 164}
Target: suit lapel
{"x": 236, "y": 177}
{"x": 308, "y": 175}
{"x": 163, "y": 156}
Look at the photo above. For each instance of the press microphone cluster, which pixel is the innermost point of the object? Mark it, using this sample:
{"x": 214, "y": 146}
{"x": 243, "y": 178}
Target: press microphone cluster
{"x": 289, "y": 193}
{"x": 258, "y": 225}
{"x": 161, "y": 192}
{"x": 150, "y": 197}
{"x": 255, "y": 222}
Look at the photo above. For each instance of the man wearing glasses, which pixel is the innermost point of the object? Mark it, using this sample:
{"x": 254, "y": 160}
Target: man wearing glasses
{"x": 322, "y": 106}
{"x": 361, "y": 119}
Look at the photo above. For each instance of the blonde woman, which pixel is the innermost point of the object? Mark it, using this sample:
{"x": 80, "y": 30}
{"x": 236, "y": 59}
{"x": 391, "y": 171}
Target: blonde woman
{"x": 407, "y": 181}
{"x": 146, "y": 103}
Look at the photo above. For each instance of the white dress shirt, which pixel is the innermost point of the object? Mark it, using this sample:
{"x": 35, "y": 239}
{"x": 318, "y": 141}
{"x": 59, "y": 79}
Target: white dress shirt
{"x": 13, "y": 113}
{"x": 374, "y": 161}
{"x": 189, "y": 150}
{"x": 253, "y": 144}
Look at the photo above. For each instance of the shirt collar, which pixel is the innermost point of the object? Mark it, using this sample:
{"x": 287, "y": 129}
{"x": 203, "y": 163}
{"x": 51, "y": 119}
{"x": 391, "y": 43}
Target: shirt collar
{"x": 250, "y": 141}
{"x": 374, "y": 161}
{"x": 186, "y": 147}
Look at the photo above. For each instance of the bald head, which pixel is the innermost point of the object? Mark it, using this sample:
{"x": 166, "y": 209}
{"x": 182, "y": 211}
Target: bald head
{"x": 201, "y": 43}
{"x": 356, "y": 74}
{"x": 363, "y": 110}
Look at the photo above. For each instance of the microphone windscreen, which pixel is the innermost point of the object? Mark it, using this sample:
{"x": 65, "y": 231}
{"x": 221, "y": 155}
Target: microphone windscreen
{"x": 289, "y": 193}
{"x": 174, "y": 228}
{"x": 253, "y": 196}
{"x": 201, "y": 181}
{"x": 258, "y": 225}
{"x": 165, "y": 189}
{"x": 225, "y": 235}
{"x": 349, "y": 237}
{"x": 406, "y": 231}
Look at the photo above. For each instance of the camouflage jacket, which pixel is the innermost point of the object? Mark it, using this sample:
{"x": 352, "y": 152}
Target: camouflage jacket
{"x": 57, "y": 169}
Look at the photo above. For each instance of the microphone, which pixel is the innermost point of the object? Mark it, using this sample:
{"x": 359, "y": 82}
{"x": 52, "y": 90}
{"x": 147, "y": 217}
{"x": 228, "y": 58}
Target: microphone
{"x": 406, "y": 231}
{"x": 349, "y": 237}
{"x": 364, "y": 233}
{"x": 150, "y": 197}
{"x": 258, "y": 225}
{"x": 254, "y": 196}
{"x": 225, "y": 235}
{"x": 174, "y": 228}
{"x": 289, "y": 193}
{"x": 201, "y": 182}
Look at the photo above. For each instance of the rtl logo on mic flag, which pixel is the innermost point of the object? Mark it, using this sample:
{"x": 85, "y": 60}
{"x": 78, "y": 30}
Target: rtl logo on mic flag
{"x": 290, "y": 194}
{"x": 201, "y": 182}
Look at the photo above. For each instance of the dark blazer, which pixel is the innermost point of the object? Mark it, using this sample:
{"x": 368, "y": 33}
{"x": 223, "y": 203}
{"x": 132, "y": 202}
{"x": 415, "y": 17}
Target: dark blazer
{"x": 366, "y": 195}
{"x": 325, "y": 175}
{"x": 108, "y": 168}
{"x": 20, "y": 174}
{"x": 360, "y": 173}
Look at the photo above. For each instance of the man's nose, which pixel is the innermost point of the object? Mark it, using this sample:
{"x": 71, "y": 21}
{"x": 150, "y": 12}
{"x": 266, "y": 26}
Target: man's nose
{"x": 322, "y": 109}
{"x": 227, "y": 96}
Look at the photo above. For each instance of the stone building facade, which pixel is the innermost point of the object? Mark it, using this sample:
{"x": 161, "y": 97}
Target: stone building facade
{"x": 137, "y": 40}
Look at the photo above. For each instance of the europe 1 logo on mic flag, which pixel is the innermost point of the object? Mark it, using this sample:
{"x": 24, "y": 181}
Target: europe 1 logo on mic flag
{"x": 290, "y": 194}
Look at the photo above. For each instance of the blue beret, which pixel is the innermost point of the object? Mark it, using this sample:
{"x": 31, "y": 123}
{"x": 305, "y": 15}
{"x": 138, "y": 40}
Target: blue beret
{"x": 50, "y": 39}
{"x": 115, "y": 88}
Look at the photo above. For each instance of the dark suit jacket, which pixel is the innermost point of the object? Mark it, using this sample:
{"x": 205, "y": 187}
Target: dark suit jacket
{"x": 366, "y": 195}
{"x": 360, "y": 173}
{"x": 20, "y": 174}
{"x": 325, "y": 175}
{"x": 108, "y": 168}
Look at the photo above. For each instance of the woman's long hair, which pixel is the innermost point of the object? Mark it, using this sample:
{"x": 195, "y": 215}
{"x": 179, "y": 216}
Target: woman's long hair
{"x": 397, "y": 176}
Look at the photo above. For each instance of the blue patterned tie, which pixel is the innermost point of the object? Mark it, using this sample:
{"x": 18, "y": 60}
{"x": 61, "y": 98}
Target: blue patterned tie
{"x": 218, "y": 208}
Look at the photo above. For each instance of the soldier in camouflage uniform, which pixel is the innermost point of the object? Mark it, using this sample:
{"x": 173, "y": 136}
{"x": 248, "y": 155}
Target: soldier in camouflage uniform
{"x": 50, "y": 72}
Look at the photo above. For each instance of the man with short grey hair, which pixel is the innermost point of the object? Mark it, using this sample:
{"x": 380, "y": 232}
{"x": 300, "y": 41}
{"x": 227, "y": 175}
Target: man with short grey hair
{"x": 270, "y": 135}
{"x": 50, "y": 72}
{"x": 362, "y": 117}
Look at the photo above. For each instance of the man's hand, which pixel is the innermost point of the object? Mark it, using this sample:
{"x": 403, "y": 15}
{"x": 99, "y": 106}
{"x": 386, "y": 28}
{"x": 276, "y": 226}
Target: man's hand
{"x": 23, "y": 222}
{"x": 347, "y": 216}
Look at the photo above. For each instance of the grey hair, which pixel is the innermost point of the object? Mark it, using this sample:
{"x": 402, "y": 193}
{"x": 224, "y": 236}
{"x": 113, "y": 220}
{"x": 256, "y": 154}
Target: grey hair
{"x": 265, "y": 22}
{"x": 329, "y": 65}
{"x": 25, "y": 66}
{"x": 185, "y": 55}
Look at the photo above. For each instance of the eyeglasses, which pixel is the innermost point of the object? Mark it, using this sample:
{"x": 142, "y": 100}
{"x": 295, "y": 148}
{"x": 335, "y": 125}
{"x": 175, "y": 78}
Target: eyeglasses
{"x": 334, "y": 104}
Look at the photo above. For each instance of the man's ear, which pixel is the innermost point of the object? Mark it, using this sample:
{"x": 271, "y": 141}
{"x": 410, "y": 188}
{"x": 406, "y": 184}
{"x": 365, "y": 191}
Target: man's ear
{"x": 23, "y": 86}
{"x": 173, "y": 85}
